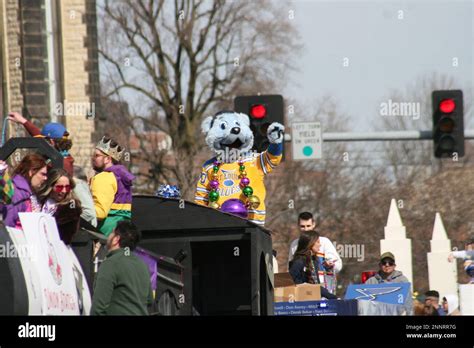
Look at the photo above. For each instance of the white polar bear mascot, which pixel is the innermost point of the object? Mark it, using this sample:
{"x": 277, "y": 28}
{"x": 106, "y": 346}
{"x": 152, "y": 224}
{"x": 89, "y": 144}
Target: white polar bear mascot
{"x": 233, "y": 180}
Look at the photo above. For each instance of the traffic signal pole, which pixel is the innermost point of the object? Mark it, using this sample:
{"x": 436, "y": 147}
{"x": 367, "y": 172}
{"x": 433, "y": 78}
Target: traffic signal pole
{"x": 448, "y": 133}
{"x": 382, "y": 136}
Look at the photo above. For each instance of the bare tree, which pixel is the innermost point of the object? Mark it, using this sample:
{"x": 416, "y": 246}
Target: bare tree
{"x": 184, "y": 58}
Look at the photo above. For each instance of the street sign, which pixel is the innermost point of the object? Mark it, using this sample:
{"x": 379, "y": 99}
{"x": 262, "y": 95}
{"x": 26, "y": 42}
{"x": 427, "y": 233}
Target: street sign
{"x": 306, "y": 140}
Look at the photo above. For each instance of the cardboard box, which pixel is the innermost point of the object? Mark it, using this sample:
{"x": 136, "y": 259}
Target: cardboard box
{"x": 287, "y": 291}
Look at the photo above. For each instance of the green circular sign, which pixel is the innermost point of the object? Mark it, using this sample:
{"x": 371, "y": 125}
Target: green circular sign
{"x": 307, "y": 151}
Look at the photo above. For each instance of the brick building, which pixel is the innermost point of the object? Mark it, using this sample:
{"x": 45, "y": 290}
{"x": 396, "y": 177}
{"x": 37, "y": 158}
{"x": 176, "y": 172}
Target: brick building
{"x": 49, "y": 67}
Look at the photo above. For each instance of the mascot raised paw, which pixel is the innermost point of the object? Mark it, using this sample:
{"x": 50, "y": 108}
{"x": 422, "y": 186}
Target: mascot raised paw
{"x": 233, "y": 180}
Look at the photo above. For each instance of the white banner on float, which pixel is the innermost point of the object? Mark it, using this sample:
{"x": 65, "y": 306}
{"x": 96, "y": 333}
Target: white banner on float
{"x": 53, "y": 265}
{"x": 28, "y": 255}
{"x": 85, "y": 300}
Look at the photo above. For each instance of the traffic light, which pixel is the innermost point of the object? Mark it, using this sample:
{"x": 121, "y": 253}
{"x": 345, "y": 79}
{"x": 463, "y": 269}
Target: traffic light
{"x": 262, "y": 110}
{"x": 448, "y": 123}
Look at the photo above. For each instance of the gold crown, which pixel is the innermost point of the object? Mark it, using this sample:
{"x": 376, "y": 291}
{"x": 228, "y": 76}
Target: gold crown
{"x": 106, "y": 148}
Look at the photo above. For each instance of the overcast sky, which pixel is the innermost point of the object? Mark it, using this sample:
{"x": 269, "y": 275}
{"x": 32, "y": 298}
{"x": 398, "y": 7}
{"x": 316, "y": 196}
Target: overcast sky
{"x": 384, "y": 52}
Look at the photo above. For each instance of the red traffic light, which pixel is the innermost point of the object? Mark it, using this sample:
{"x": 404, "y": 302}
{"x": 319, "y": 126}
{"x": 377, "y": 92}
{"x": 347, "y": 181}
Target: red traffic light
{"x": 448, "y": 123}
{"x": 258, "y": 111}
{"x": 447, "y": 106}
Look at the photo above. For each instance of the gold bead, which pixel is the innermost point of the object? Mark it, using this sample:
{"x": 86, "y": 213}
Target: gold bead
{"x": 254, "y": 202}
{"x": 214, "y": 205}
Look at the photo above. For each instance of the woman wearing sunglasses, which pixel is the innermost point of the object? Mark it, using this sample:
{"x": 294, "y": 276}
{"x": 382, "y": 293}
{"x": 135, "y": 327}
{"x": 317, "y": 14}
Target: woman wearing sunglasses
{"x": 58, "y": 199}
{"x": 57, "y": 190}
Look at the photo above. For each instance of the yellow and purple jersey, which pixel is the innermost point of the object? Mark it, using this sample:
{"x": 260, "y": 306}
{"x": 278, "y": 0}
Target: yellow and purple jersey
{"x": 256, "y": 167}
{"x": 112, "y": 194}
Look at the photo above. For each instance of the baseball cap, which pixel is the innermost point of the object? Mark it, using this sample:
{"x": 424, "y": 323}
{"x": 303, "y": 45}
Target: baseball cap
{"x": 53, "y": 130}
{"x": 387, "y": 255}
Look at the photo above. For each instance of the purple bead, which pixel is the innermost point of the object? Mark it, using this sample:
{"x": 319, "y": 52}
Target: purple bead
{"x": 236, "y": 207}
{"x": 216, "y": 163}
{"x": 214, "y": 184}
{"x": 244, "y": 182}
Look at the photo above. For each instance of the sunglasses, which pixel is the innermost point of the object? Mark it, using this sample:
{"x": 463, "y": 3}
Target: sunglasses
{"x": 387, "y": 263}
{"x": 60, "y": 188}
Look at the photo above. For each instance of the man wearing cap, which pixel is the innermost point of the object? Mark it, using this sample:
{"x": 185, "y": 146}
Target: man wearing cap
{"x": 388, "y": 274}
{"x": 111, "y": 187}
{"x": 55, "y": 133}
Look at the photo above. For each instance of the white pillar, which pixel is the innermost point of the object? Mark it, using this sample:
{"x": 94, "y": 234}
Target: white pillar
{"x": 466, "y": 299}
{"x": 397, "y": 243}
{"x": 442, "y": 274}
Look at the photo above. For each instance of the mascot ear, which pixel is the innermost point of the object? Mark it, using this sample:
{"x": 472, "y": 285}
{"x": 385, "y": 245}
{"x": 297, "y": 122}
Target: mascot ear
{"x": 244, "y": 119}
{"x": 206, "y": 124}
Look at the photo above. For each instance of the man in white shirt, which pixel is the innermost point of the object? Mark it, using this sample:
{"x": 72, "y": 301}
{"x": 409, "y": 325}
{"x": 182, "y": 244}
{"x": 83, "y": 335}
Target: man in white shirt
{"x": 333, "y": 260}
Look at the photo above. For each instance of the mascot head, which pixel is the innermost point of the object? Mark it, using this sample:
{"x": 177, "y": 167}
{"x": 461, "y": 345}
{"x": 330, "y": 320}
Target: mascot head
{"x": 227, "y": 132}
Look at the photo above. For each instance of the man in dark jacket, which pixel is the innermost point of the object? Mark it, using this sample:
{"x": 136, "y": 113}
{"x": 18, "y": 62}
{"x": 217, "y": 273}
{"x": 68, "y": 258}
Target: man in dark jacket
{"x": 123, "y": 284}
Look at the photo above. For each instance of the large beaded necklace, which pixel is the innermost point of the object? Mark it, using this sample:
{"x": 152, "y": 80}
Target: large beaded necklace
{"x": 251, "y": 201}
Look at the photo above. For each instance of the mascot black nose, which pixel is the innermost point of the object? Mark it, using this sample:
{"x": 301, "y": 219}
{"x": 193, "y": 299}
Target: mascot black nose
{"x": 235, "y": 130}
